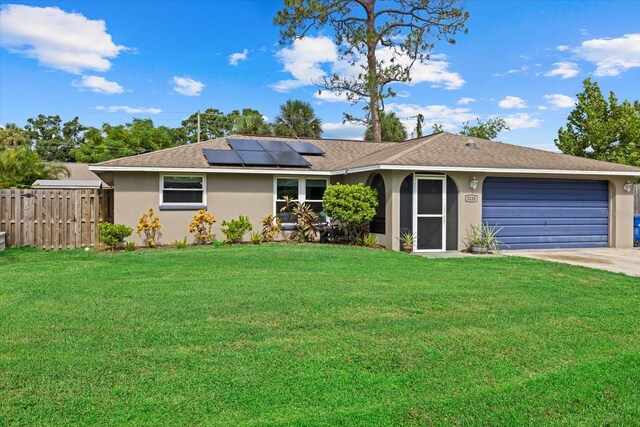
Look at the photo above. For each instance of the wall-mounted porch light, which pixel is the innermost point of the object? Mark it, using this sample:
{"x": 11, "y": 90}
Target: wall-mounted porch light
{"x": 473, "y": 183}
{"x": 628, "y": 187}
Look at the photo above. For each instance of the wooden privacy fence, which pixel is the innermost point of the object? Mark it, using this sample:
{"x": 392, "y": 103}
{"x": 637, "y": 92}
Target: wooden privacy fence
{"x": 54, "y": 219}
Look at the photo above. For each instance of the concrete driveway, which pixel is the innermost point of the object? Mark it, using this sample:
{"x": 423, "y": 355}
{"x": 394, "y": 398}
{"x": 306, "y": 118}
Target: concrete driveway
{"x": 625, "y": 261}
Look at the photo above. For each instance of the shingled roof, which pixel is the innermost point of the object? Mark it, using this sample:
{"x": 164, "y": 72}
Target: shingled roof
{"x": 443, "y": 149}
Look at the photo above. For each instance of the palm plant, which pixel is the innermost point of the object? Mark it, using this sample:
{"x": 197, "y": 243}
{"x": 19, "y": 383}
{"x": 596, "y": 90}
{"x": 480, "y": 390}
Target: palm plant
{"x": 392, "y": 128}
{"x": 11, "y": 136}
{"x": 297, "y": 118}
{"x": 251, "y": 124}
{"x": 20, "y": 167}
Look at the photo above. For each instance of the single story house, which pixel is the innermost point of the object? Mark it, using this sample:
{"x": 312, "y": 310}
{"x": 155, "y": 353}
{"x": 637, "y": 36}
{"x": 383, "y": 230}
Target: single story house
{"x": 80, "y": 178}
{"x": 436, "y": 186}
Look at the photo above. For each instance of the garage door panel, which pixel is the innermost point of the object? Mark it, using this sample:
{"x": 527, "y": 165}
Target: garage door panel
{"x": 534, "y": 183}
{"x": 550, "y": 221}
{"x": 560, "y": 239}
{"x": 547, "y": 213}
{"x": 560, "y": 203}
{"x": 546, "y": 194}
{"x": 565, "y": 245}
{"x": 554, "y": 230}
{"x": 540, "y": 212}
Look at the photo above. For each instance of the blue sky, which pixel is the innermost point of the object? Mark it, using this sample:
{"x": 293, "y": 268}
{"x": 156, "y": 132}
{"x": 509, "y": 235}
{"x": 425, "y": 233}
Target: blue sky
{"x": 110, "y": 61}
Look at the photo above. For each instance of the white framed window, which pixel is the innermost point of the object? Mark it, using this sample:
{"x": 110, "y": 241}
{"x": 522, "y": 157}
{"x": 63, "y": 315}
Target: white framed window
{"x": 299, "y": 189}
{"x": 183, "y": 191}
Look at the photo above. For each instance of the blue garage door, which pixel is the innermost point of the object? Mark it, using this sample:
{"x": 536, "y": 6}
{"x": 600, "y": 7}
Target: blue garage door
{"x": 547, "y": 213}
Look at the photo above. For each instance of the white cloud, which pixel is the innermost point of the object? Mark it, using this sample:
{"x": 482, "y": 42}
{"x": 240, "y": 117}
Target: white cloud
{"x": 512, "y": 102}
{"x": 329, "y": 96}
{"x": 449, "y": 118}
{"x": 57, "y": 39}
{"x": 557, "y": 100}
{"x": 611, "y": 56}
{"x": 435, "y": 72}
{"x": 187, "y": 86}
{"x": 307, "y": 57}
{"x": 512, "y": 71}
{"x": 343, "y": 130}
{"x": 303, "y": 61}
{"x": 465, "y": 100}
{"x": 98, "y": 84}
{"x": 128, "y": 110}
{"x": 236, "y": 58}
{"x": 564, "y": 70}
{"x": 562, "y": 47}
{"x": 522, "y": 121}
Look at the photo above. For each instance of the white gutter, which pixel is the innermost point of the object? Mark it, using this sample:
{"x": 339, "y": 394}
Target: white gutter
{"x": 99, "y": 168}
{"x": 422, "y": 168}
{"x": 488, "y": 170}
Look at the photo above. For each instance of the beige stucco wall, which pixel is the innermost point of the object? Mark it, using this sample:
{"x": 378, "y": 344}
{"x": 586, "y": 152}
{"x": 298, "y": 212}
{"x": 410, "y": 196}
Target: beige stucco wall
{"x": 620, "y": 211}
{"x": 228, "y": 196}
{"x": 231, "y": 195}
{"x": 620, "y": 204}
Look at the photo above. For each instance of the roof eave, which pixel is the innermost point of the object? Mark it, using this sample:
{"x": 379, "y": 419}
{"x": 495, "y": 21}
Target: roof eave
{"x": 426, "y": 168}
{"x": 371, "y": 168}
{"x": 106, "y": 168}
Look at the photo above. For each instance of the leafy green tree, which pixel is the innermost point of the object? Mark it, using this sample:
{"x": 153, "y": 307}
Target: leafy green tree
{"x": 11, "y": 136}
{"x": 602, "y": 129}
{"x": 213, "y": 124}
{"x": 485, "y": 130}
{"x": 381, "y": 39}
{"x": 297, "y": 118}
{"x": 112, "y": 142}
{"x": 21, "y": 167}
{"x": 52, "y": 139}
{"x": 392, "y": 128}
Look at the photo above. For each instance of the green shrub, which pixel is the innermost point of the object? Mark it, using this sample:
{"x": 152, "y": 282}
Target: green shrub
{"x": 350, "y": 208}
{"x": 180, "y": 244}
{"x": 370, "y": 241}
{"x": 130, "y": 246}
{"x": 217, "y": 243}
{"x": 256, "y": 237}
{"x": 235, "y": 229}
{"x": 112, "y": 234}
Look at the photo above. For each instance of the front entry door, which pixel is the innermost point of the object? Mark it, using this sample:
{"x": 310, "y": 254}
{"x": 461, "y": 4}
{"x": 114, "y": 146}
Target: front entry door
{"x": 429, "y": 207}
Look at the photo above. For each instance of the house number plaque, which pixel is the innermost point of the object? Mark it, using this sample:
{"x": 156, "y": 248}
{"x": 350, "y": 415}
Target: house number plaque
{"x": 471, "y": 198}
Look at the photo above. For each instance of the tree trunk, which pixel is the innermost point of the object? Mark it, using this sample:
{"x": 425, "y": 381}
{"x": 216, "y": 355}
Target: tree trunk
{"x": 374, "y": 97}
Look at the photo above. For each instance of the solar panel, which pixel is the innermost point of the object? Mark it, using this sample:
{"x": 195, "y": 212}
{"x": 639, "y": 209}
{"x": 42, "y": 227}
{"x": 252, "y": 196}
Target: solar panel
{"x": 245, "y": 145}
{"x": 290, "y": 158}
{"x": 222, "y": 157}
{"x": 276, "y": 146}
{"x": 256, "y": 158}
{"x": 305, "y": 148}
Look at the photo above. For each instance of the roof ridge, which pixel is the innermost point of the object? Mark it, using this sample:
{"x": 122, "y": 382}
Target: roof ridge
{"x": 418, "y": 144}
{"x": 347, "y": 165}
{"x": 556, "y": 153}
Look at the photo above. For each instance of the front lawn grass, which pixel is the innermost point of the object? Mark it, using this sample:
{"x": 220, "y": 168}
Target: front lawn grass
{"x": 313, "y": 335}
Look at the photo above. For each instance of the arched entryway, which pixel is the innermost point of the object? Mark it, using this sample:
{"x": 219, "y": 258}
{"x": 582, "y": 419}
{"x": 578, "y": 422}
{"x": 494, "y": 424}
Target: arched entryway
{"x": 379, "y": 223}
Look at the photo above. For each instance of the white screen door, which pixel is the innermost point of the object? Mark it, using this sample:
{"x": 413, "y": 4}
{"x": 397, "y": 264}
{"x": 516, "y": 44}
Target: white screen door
{"x": 429, "y": 207}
